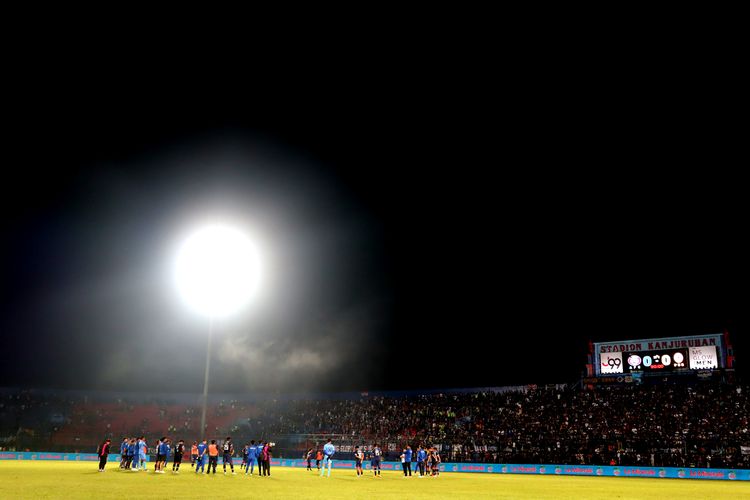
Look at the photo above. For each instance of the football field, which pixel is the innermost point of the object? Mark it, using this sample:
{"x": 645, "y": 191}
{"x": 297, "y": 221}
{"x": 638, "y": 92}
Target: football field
{"x": 68, "y": 480}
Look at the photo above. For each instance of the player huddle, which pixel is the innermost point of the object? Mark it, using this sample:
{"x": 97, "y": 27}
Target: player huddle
{"x": 134, "y": 453}
{"x": 261, "y": 454}
{"x": 427, "y": 460}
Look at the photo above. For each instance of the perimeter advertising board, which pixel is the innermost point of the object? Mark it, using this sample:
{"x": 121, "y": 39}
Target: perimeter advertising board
{"x": 538, "y": 469}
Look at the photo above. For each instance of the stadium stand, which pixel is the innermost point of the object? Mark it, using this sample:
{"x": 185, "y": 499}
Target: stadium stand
{"x": 706, "y": 425}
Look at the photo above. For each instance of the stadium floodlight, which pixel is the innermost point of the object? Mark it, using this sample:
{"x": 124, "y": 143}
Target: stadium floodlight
{"x": 217, "y": 273}
{"x": 217, "y": 270}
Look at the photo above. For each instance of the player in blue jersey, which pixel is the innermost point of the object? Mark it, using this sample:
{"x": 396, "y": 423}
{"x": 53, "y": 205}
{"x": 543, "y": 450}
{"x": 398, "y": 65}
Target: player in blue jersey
{"x": 406, "y": 461}
{"x": 328, "y": 451}
{"x": 137, "y": 455}
{"x": 123, "y": 452}
{"x": 201, "y": 460}
{"x": 377, "y": 453}
{"x": 421, "y": 457}
{"x": 252, "y": 457}
{"x": 131, "y": 454}
{"x": 163, "y": 454}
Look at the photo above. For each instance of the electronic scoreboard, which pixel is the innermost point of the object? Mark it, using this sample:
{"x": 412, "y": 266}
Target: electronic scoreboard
{"x": 662, "y": 355}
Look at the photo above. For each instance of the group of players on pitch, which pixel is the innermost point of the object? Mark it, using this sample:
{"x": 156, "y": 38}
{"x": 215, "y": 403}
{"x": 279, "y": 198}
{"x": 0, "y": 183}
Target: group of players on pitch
{"x": 133, "y": 452}
{"x": 426, "y": 460}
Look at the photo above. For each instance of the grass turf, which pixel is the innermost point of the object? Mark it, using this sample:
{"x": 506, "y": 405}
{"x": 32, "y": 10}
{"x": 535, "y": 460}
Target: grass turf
{"x": 31, "y": 479}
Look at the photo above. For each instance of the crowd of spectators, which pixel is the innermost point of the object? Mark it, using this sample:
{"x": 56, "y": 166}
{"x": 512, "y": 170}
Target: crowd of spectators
{"x": 699, "y": 426}
{"x": 31, "y": 415}
{"x": 704, "y": 425}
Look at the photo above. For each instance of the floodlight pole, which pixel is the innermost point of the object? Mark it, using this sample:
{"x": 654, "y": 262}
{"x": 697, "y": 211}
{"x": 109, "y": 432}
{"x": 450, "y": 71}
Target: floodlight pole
{"x": 205, "y": 378}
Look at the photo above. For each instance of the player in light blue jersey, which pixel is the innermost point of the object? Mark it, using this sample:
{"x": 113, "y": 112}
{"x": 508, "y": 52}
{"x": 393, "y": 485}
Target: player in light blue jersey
{"x": 328, "y": 451}
{"x": 142, "y": 455}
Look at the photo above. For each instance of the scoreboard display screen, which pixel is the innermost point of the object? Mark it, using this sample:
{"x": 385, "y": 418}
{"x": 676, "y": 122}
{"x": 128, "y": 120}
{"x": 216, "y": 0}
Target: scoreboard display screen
{"x": 657, "y": 356}
{"x": 655, "y": 360}
{"x": 697, "y": 358}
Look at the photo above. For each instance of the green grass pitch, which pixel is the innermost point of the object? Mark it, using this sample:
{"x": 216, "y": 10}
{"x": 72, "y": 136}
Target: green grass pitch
{"x": 69, "y": 480}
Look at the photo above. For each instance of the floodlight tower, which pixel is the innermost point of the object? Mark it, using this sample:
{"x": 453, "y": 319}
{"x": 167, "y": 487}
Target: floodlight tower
{"x": 217, "y": 272}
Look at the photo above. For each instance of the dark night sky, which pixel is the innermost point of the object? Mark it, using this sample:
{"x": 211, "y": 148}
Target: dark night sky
{"x": 426, "y": 232}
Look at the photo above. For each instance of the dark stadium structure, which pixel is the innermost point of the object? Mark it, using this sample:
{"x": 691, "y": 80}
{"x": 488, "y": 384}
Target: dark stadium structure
{"x": 680, "y": 418}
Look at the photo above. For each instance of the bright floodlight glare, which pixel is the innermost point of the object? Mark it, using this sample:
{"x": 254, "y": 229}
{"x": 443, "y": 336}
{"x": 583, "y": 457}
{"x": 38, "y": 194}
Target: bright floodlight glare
{"x": 217, "y": 270}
